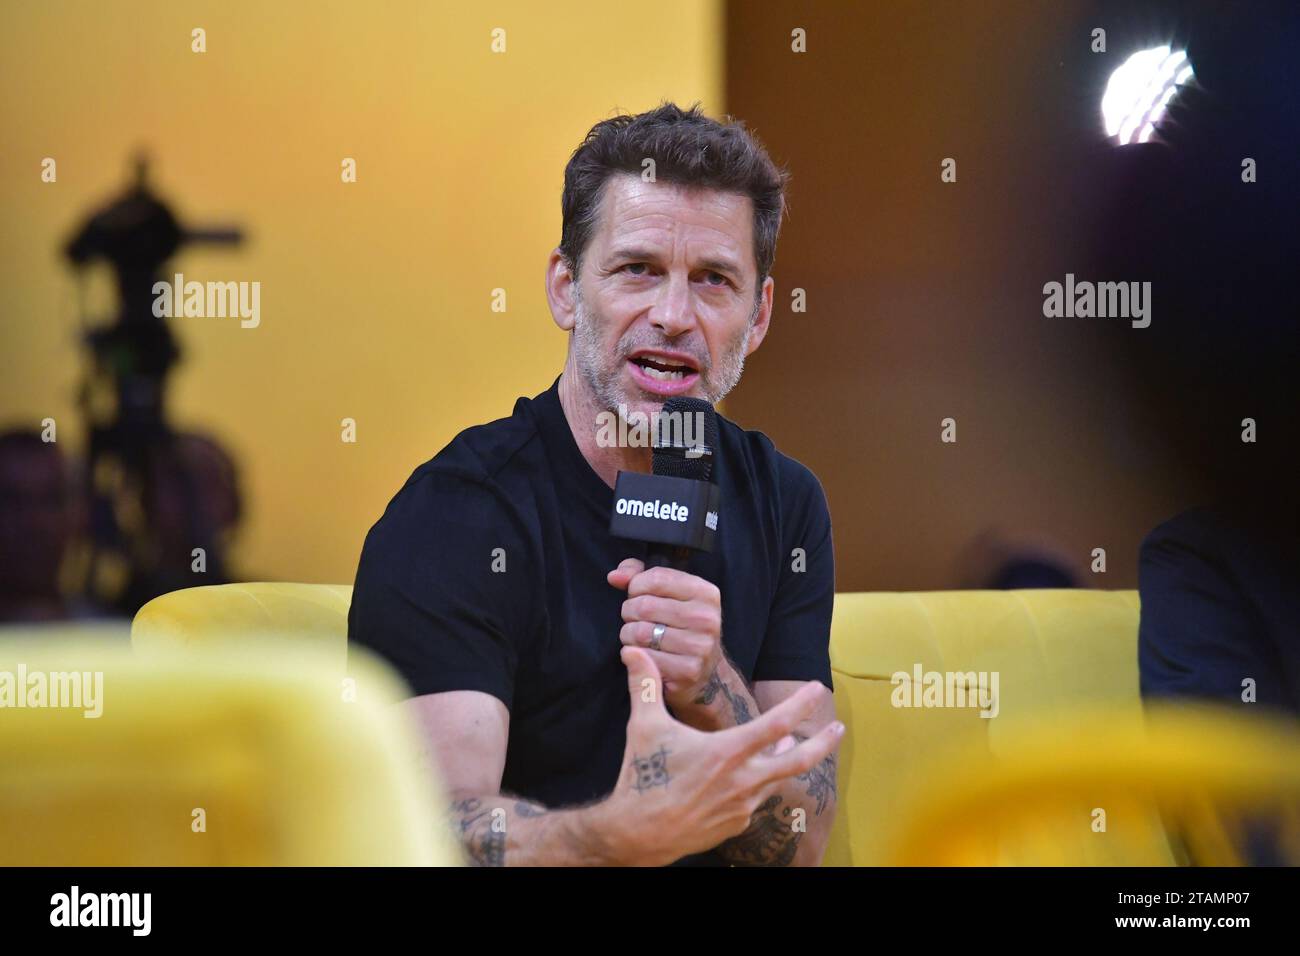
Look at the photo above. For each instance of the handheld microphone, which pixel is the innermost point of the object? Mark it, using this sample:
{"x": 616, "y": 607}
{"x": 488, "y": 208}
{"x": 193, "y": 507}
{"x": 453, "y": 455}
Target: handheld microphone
{"x": 674, "y": 509}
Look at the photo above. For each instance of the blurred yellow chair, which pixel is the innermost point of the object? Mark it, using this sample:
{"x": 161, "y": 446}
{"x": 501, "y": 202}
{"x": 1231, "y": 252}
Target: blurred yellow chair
{"x": 268, "y": 613}
{"x": 207, "y": 758}
{"x": 1058, "y": 797}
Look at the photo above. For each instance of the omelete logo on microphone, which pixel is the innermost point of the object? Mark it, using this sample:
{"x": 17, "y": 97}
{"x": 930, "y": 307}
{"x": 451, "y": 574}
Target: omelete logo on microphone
{"x": 664, "y": 509}
{"x": 670, "y": 511}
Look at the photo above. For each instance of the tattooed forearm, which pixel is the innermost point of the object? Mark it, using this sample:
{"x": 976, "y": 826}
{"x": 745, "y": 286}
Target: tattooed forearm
{"x": 500, "y": 829}
{"x": 739, "y": 706}
{"x": 710, "y": 690}
{"x": 820, "y": 779}
{"x": 484, "y": 843}
{"x": 770, "y": 839}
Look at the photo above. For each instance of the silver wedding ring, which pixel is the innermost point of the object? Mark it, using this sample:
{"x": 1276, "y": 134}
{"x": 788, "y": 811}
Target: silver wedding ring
{"x": 656, "y": 636}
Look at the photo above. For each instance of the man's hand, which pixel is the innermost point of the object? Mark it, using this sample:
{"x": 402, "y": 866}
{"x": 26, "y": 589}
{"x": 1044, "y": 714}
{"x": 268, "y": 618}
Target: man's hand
{"x": 689, "y": 652}
{"x": 683, "y": 791}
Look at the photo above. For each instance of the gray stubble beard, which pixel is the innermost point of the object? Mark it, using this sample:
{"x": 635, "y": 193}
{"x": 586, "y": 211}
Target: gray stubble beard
{"x": 602, "y": 382}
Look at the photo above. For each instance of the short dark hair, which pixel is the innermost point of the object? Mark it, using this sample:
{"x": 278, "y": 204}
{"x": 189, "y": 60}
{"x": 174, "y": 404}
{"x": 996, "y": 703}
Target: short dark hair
{"x": 688, "y": 148}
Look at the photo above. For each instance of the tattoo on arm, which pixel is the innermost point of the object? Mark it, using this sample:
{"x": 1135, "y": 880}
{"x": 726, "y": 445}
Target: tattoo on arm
{"x": 739, "y": 706}
{"x": 820, "y": 779}
{"x": 769, "y": 840}
{"x": 710, "y": 690}
{"x": 484, "y": 843}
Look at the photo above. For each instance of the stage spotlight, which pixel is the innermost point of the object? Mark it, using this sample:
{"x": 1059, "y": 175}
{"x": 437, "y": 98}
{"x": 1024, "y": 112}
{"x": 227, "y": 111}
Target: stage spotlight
{"x": 1140, "y": 90}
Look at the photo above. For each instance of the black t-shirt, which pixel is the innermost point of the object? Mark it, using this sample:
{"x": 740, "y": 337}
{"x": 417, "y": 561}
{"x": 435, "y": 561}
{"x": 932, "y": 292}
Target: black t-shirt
{"x": 487, "y": 572}
{"x": 1220, "y": 603}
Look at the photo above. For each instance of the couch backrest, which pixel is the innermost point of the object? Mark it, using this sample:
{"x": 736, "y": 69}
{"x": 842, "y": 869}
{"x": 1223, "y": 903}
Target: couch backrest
{"x": 269, "y": 611}
{"x": 1057, "y": 652}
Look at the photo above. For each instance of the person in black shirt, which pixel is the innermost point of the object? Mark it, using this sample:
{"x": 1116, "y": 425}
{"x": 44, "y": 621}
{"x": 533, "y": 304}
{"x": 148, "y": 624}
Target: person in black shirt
{"x": 581, "y": 708}
{"x": 1221, "y": 612}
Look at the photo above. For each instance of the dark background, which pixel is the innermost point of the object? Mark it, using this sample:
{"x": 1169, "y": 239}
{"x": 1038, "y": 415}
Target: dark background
{"x": 924, "y": 298}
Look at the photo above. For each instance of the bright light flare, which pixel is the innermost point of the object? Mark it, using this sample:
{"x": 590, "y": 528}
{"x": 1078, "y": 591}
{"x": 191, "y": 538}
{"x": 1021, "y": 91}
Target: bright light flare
{"x": 1139, "y": 92}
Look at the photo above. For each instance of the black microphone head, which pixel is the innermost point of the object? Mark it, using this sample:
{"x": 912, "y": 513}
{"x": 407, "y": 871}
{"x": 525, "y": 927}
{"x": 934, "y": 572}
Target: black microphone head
{"x": 686, "y": 439}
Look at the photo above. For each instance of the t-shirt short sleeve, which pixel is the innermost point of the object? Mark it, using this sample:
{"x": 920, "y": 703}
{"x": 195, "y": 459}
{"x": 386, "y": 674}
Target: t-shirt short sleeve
{"x": 797, "y": 643}
{"x": 442, "y": 590}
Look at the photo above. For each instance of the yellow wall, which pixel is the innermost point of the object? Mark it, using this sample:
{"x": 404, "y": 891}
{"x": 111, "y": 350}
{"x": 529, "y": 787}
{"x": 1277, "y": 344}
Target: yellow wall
{"x": 375, "y": 296}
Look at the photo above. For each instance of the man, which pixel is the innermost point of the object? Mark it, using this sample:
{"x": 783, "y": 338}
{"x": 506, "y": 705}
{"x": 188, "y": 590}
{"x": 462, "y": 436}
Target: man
{"x": 581, "y": 708}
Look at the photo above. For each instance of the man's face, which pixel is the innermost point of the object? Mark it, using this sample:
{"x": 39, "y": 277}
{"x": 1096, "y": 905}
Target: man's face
{"x": 665, "y": 304}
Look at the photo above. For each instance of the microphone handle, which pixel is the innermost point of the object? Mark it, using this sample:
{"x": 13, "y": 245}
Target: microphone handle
{"x": 667, "y": 556}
